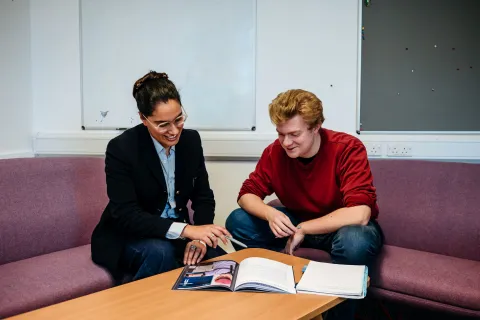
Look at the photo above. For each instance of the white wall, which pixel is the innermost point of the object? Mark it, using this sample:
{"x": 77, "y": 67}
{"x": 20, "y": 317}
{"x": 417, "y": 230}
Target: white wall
{"x": 15, "y": 81}
{"x": 55, "y": 49}
{"x": 226, "y": 178}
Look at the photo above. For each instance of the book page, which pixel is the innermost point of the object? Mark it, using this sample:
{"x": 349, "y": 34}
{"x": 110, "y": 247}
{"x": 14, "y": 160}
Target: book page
{"x": 333, "y": 279}
{"x": 215, "y": 274}
{"x": 268, "y": 272}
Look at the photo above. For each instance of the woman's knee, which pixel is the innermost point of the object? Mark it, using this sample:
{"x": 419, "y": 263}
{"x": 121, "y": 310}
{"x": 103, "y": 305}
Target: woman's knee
{"x": 148, "y": 257}
{"x": 158, "y": 248}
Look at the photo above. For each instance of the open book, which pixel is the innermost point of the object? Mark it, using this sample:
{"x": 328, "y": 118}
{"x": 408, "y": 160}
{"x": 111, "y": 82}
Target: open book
{"x": 346, "y": 281}
{"x": 252, "y": 274}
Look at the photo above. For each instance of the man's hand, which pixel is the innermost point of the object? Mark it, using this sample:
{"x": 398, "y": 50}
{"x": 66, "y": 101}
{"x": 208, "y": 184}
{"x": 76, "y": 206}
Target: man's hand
{"x": 194, "y": 252}
{"x": 294, "y": 241}
{"x": 207, "y": 233}
{"x": 279, "y": 223}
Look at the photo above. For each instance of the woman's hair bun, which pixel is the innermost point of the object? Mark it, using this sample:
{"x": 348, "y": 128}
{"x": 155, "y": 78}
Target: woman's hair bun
{"x": 149, "y": 76}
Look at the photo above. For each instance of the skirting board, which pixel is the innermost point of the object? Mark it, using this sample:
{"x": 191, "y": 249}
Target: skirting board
{"x": 17, "y": 154}
{"x": 248, "y": 145}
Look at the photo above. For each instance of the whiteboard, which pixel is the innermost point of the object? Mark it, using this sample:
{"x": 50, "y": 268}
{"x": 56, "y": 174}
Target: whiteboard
{"x": 206, "y": 47}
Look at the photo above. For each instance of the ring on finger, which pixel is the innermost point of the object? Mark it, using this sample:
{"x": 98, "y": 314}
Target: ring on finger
{"x": 193, "y": 247}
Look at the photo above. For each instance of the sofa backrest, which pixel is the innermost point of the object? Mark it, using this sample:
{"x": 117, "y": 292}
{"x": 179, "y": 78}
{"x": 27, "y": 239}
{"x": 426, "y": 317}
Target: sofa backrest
{"x": 49, "y": 204}
{"x": 429, "y": 206}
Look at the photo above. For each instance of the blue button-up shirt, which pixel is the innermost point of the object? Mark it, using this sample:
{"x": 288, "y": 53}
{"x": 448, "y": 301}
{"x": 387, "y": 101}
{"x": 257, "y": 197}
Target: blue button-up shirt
{"x": 168, "y": 168}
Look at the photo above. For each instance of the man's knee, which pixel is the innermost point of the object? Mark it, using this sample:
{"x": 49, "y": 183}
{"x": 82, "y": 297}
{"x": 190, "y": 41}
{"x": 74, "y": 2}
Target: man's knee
{"x": 236, "y": 220}
{"x": 252, "y": 231}
{"x": 356, "y": 244}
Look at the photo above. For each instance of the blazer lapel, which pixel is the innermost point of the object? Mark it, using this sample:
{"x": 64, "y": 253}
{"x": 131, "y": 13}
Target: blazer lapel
{"x": 150, "y": 156}
{"x": 181, "y": 156}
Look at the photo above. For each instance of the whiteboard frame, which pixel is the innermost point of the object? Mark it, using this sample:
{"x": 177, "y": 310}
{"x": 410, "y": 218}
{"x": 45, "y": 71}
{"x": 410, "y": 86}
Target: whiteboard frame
{"x": 358, "y": 125}
{"x": 254, "y": 89}
{"x": 80, "y": 39}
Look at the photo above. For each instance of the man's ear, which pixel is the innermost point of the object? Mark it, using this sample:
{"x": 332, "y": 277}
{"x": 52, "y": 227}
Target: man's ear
{"x": 317, "y": 128}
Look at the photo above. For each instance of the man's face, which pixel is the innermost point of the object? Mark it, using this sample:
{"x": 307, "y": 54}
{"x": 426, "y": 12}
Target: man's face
{"x": 167, "y": 115}
{"x": 296, "y": 138}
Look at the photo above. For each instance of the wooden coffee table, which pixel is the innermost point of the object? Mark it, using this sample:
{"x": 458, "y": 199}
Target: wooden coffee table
{"x": 153, "y": 298}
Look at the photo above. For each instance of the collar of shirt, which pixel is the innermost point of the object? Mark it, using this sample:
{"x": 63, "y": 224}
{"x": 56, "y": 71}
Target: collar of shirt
{"x": 159, "y": 147}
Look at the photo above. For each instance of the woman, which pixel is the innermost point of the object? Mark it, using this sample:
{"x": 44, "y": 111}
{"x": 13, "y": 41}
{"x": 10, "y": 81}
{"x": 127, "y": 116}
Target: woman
{"x": 153, "y": 170}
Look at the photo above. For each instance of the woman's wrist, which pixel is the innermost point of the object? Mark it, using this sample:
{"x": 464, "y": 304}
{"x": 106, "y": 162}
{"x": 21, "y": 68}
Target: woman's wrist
{"x": 186, "y": 231}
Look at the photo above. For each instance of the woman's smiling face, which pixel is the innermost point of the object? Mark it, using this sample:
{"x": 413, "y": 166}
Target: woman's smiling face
{"x": 165, "y": 112}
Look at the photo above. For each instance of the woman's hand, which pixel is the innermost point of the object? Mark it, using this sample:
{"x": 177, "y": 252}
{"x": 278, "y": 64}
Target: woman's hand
{"x": 194, "y": 252}
{"x": 209, "y": 234}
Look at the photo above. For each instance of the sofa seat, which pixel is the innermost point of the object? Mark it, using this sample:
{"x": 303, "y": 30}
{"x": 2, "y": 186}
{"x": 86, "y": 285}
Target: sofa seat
{"x": 444, "y": 279}
{"x": 36, "y": 282}
{"x": 313, "y": 254}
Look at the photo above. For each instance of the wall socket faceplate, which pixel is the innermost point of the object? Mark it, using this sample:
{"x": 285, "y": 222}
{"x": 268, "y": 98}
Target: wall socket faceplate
{"x": 374, "y": 149}
{"x": 399, "y": 150}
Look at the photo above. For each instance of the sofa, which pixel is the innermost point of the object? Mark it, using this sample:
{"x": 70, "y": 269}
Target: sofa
{"x": 430, "y": 215}
{"x": 429, "y": 212}
{"x": 48, "y": 209}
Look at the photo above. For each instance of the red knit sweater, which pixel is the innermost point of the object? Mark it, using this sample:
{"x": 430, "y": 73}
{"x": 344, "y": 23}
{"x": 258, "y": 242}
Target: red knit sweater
{"x": 339, "y": 176}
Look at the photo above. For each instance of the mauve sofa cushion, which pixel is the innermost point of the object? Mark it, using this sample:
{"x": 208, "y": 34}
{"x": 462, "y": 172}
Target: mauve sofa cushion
{"x": 48, "y": 279}
{"x": 49, "y": 204}
{"x": 446, "y": 309}
{"x": 429, "y": 205}
{"x": 431, "y": 276}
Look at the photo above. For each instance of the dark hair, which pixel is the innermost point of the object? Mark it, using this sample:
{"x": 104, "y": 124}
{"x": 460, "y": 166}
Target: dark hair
{"x": 153, "y": 88}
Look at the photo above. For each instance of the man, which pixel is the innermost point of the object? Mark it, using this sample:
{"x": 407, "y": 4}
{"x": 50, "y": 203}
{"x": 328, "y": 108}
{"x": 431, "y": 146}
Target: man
{"x": 153, "y": 170}
{"x": 323, "y": 180}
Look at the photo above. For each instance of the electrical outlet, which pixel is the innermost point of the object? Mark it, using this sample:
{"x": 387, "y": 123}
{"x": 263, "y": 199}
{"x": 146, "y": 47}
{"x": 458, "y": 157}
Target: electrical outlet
{"x": 399, "y": 150}
{"x": 374, "y": 149}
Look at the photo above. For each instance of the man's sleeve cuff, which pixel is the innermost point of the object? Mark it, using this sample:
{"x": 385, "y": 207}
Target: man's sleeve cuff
{"x": 360, "y": 199}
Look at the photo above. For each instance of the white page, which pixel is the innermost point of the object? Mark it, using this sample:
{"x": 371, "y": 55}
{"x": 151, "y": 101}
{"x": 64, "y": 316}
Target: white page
{"x": 266, "y": 271}
{"x": 333, "y": 279}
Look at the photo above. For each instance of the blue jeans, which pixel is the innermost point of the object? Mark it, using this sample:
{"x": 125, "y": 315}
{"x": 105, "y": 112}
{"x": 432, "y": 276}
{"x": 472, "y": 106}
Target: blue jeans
{"x": 355, "y": 244}
{"x": 148, "y": 257}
